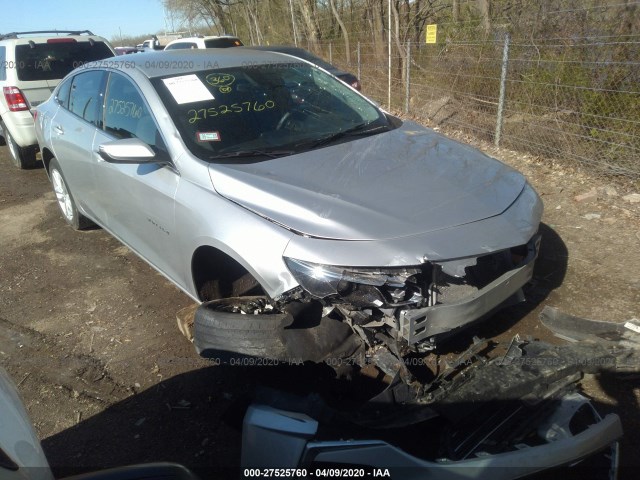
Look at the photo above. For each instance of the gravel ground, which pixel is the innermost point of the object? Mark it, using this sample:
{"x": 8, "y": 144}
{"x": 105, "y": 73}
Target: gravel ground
{"x": 88, "y": 331}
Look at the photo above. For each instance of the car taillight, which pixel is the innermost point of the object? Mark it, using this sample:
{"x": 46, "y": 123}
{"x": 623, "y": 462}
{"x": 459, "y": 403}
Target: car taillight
{"x": 15, "y": 99}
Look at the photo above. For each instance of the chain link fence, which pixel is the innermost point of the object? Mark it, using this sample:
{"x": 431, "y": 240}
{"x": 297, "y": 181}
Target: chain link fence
{"x": 575, "y": 98}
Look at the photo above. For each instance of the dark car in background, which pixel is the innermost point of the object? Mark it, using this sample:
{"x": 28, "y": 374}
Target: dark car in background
{"x": 126, "y": 50}
{"x": 346, "y": 77}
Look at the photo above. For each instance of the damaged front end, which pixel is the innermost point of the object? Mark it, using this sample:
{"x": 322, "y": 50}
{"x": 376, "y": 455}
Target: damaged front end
{"x": 419, "y": 305}
{"x": 494, "y": 411}
{"x": 354, "y": 316}
{"x": 571, "y": 435}
{"x": 497, "y": 412}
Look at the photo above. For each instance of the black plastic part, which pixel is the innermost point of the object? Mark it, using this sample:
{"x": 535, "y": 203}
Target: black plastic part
{"x": 621, "y": 340}
{"x": 6, "y": 462}
{"x": 150, "y": 471}
{"x": 577, "y": 328}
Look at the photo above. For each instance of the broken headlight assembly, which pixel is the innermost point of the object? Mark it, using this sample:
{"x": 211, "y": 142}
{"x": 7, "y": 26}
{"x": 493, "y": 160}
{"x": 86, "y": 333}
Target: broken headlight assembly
{"x": 380, "y": 287}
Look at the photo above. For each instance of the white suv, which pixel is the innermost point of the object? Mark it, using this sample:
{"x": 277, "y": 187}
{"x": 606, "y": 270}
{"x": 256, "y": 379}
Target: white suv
{"x": 31, "y": 65}
{"x": 224, "y": 41}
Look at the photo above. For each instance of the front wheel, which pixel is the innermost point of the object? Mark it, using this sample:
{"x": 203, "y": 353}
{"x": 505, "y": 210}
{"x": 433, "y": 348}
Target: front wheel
{"x": 22, "y": 157}
{"x": 65, "y": 199}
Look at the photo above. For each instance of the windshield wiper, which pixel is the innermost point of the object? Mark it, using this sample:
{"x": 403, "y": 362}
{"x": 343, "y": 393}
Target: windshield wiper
{"x": 252, "y": 153}
{"x": 360, "y": 129}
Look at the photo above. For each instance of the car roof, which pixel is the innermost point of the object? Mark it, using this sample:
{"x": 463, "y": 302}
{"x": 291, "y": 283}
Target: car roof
{"x": 180, "y": 62}
{"x": 202, "y": 39}
{"x": 25, "y": 37}
{"x": 300, "y": 53}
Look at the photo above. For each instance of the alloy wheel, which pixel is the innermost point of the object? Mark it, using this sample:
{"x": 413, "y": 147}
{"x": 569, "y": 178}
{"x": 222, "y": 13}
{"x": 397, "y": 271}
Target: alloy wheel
{"x": 62, "y": 194}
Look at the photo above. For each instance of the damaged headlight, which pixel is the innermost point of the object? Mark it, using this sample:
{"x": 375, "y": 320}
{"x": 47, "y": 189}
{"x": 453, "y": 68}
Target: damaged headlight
{"x": 324, "y": 280}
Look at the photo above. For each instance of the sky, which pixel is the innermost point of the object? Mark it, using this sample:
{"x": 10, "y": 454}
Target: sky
{"x": 107, "y": 18}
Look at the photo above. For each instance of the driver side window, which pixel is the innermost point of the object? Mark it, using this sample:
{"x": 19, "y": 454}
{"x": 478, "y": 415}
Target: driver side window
{"x": 126, "y": 114}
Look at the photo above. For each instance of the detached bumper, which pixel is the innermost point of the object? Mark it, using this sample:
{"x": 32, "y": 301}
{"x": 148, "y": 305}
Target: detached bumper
{"x": 269, "y": 432}
{"x": 429, "y": 322}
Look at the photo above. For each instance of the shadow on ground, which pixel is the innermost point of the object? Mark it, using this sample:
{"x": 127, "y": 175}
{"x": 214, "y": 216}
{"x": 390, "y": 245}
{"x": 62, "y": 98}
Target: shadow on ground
{"x": 194, "y": 420}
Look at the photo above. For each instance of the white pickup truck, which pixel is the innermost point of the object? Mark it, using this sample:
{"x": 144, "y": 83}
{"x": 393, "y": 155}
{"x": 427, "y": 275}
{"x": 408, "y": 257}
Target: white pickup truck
{"x": 151, "y": 45}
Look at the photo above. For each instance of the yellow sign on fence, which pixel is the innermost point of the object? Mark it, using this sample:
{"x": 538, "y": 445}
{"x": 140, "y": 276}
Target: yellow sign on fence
{"x": 432, "y": 33}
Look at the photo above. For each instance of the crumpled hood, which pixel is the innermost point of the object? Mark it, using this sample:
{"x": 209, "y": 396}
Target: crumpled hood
{"x": 407, "y": 181}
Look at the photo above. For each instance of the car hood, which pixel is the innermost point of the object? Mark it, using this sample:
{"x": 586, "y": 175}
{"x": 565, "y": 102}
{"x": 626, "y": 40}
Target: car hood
{"x": 407, "y": 181}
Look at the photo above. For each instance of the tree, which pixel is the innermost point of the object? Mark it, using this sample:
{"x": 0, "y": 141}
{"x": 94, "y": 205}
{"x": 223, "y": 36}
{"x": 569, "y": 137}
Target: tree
{"x": 345, "y": 33}
{"x": 485, "y": 14}
{"x": 307, "y": 8}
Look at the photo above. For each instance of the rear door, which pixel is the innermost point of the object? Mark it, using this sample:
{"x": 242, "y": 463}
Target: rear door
{"x": 72, "y": 131}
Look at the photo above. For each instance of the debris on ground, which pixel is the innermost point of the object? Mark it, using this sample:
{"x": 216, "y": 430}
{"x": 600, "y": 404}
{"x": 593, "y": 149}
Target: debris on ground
{"x": 632, "y": 198}
{"x": 587, "y": 196}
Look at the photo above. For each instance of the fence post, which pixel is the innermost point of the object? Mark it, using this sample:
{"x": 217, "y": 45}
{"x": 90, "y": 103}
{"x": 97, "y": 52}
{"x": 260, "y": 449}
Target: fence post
{"x": 407, "y": 89}
{"x": 359, "y": 73}
{"x": 330, "y": 53}
{"x": 503, "y": 86}
{"x": 389, "y": 58}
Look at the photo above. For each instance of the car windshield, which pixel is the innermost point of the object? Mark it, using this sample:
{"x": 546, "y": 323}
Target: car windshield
{"x": 53, "y": 60}
{"x": 262, "y": 111}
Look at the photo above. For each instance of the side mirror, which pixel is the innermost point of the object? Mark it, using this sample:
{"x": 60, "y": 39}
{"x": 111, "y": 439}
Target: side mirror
{"x": 129, "y": 150}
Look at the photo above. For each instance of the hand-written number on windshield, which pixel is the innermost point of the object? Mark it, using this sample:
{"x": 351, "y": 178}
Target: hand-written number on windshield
{"x": 204, "y": 113}
{"x": 127, "y": 109}
{"x": 221, "y": 81}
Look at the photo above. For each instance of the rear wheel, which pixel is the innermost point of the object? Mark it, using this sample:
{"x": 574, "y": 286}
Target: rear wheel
{"x": 22, "y": 157}
{"x": 65, "y": 199}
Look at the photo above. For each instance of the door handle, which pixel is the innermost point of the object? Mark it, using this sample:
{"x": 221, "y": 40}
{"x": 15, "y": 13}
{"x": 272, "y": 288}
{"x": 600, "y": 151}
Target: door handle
{"x": 58, "y": 129}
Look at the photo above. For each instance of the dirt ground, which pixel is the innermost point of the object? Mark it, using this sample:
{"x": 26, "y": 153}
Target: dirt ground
{"x": 88, "y": 331}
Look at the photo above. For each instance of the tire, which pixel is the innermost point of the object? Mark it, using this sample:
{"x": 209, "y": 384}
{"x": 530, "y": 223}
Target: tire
{"x": 65, "y": 199}
{"x": 233, "y": 335}
{"x": 21, "y": 157}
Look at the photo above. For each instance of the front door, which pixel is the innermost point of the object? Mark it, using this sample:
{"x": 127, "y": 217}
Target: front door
{"x": 138, "y": 199}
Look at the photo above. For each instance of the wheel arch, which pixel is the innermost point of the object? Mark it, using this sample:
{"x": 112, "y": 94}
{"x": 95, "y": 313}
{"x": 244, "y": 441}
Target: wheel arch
{"x": 47, "y": 156}
{"x": 209, "y": 263}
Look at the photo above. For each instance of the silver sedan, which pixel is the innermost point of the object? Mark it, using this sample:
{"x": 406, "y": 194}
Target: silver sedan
{"x": 247, "y": 173}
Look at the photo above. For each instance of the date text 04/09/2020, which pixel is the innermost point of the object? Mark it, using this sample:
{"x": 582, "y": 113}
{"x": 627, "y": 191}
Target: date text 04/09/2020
{"x": 316, "y": 473}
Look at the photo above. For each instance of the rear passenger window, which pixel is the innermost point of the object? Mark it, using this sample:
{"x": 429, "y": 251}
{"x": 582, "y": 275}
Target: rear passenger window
{"x": 62, "y": 97}
{"x": 85, "y": 96}
{"x": 126, "y": 114}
